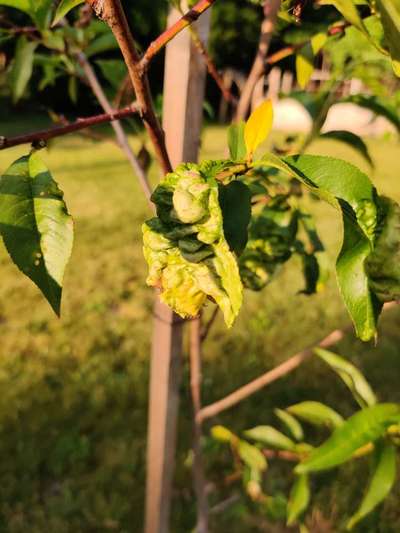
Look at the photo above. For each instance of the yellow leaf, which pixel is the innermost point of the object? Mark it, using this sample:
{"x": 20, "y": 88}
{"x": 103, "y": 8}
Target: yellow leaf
{"x": 258, "y": 127}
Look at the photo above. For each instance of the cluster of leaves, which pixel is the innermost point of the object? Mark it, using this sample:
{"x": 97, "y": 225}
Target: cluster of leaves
{"x": 372, "y": 431}
{"x": 366, "y": 267}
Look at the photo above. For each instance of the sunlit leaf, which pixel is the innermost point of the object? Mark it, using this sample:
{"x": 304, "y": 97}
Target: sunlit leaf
{"x": 236, "y": 144}
{"x": 35, "y": 225}
{"x": 390, "y": 17}
{"x": 291, "y": 424}
{"x": 258, "y": 127}
{"x": 271, "y": 437}
{"x": 251, "y": 456}
{"x": 366, "y": 426}
{"x": 64, "y": 7}
{"x": 316, "y": 413}
{"x": 299, "y": 499}
{"x": 352, "y": 377}
{"x": 22, "y": 67}
{"x": 222, "y": 434}
{"x": 382, "y": 481}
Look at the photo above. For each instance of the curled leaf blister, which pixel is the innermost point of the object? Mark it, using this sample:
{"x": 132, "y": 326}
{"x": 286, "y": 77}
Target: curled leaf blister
{"x": 188, "y": 256}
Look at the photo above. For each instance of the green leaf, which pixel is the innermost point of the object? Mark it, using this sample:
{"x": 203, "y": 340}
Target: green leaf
{"x": 291, "y": 424}
{"x": 378, "y": 106}
{"x": 22, "y": 5}
{"x": 271, "y": 437}
{"x": 251, "y": 456}
{"x": 41, "y": 11}
{"x": 235, "y": 202}
{"x": 22, "y": 67}
{"x": 351, "y": 139}
{"x": 305, "y": 58}
{"x": 258, "y": 127}
{"x": 381, "y": 483}
{"x": 390, "y": 17}
{"x": 236, "y": 144}
{"x": 351, "y": 376}
{"x": 35, "y": 225}
{"x": 316, "y": 413}
{"x": 299, "y": 499}
{"x": 364, "y": 427}
{"x": 64, "y": 7}
{"x": 350, "y": 190}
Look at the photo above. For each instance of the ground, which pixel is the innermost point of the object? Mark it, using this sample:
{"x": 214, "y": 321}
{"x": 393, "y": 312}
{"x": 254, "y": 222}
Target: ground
{"x": 73, "y": 391}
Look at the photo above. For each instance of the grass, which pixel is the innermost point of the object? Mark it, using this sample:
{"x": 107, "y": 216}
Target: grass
{"x": 74, "y": 391}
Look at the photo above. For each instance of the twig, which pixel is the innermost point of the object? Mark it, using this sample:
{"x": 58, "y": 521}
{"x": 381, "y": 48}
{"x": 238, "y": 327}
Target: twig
{"x": 271, "y": 8}
{"x": 198, "y": 467}
{"x": 112, "y": 13}
{"x": 212, "y": 70}
{"x": 225, "y": 504}
{"x": 122, "y": 139}
{"x": 282, "y": 454}
{"x": 267, "y": 378}
{"x": 79, "y": 124}
{"x": 208, "y": 325}
{"x": 187, "y": 19}
{"x": 276, "y": 373}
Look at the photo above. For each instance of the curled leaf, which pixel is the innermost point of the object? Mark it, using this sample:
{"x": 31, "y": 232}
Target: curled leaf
{"x": 185, "y": 247}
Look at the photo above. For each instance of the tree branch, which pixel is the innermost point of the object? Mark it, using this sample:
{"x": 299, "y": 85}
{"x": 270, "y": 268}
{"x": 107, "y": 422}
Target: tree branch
{"x": 122, "y": 139}
{"x": 276, "y": 373}
{"x": 187, "y": 19}
{"x": 212, "y": 70}
{"x": 271, "y": 8}
{"x": 111, "y": 11}
{"x": 79, "y": 124}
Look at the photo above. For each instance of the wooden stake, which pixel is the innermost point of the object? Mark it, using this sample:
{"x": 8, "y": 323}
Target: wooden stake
{"x": 182, "y": 119}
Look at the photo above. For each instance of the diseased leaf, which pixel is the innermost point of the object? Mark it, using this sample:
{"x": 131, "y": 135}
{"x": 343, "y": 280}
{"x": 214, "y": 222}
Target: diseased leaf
{"x": 382, "y": 481}
{"x": 316, "y": 413}
{"x": 352, "y": 377}
{"x": 351, "y": 139}
{"x": 235, "y": 202}
{"x": 364, "y": 427}
{"x": 258, "y": 127}
{"x": 299, "y": 499}
{"x": 251, "y": 456}
{"x": 22, "y": 67}
{"x": 347, "y": 188}
{"x": 271, "y": 437}
{"x": 35, "y": 225}
{"x": 64, "y": 7}
{"x": 237, "y": 146}
{"x": 383, "y": 265}
{"x": 185, "y": 247}
{"x": 291, "y": 424}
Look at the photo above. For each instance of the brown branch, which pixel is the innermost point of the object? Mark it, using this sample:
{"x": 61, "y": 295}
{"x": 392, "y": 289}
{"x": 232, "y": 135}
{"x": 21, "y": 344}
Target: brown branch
{"x": 207, "y": 327}
{"x": 276, "y": 373}
{"x": 198, "y": 466}
{"x": 271, "y": 8}
{"x": 79, "y": 124}
{"x": 111, "y": 11}
{"x": 187, "y": 19}
{"x": 121, "y": 137}
{"x": 212, "y": 69}
{"x": 267, "y": 378}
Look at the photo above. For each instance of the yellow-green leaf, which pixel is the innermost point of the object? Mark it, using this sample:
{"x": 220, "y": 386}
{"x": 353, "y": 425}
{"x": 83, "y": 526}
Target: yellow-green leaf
{"x": 258, "y": 127}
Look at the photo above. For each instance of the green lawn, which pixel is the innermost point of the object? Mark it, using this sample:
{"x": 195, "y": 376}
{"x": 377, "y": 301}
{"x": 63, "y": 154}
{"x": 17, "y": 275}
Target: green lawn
{"x": 74, "y": 391}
